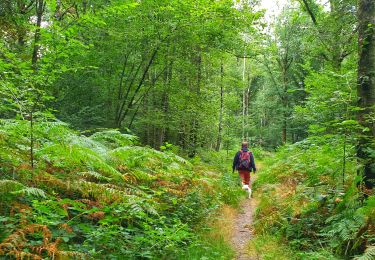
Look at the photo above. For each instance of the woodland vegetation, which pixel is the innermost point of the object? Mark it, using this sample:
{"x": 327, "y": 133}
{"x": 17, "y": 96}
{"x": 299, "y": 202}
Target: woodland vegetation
{"x": 119, "y": 120}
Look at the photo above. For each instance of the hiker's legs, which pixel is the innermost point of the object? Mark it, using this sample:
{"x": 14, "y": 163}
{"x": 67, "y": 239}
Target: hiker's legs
{"x": 245, "y": 177}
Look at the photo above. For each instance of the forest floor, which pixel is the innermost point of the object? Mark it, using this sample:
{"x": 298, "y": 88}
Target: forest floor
{"x": 243, "y": 228}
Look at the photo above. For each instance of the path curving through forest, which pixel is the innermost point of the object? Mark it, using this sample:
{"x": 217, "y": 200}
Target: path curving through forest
{"x": 243, "y": 229}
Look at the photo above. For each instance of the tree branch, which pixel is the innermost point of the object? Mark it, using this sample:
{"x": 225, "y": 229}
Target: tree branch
{"x": 308, "y": 9}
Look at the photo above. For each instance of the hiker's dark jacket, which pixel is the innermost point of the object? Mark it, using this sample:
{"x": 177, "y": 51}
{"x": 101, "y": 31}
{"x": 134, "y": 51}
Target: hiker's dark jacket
{"x": 236, "y": 160}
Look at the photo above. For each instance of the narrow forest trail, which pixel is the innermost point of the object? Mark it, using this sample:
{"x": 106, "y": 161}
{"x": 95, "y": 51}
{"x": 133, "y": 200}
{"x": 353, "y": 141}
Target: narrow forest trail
{"x": 243, "y": 227}
{"x": 242, "y": 230}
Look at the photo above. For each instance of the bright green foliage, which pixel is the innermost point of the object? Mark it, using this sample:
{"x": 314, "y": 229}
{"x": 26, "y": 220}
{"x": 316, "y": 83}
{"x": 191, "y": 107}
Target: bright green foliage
{"x": 94, "y": 197}
{"x": 114, "y": 139}
{"x": 145, "y": 82}
{"x": 309, "y": 199}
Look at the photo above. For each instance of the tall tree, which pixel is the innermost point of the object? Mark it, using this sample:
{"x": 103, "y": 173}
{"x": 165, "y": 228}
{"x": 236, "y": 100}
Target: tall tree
{"x": 366, "y": 88}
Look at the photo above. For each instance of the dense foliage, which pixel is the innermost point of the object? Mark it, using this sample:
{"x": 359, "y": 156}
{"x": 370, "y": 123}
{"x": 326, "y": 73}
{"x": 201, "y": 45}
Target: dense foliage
{"x": 111, "y": 111}
{"x": 310, "y": 199}
{"x": 313, "y": 204}
{"x": 101, "y": 196}
{"x": 148, "y": 66}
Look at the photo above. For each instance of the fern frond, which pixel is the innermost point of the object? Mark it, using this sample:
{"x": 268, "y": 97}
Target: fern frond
{"x": 15, "y": 242}
{"x": 114, "y": 139}
{"x": 128, "y": 190}
{"x": 369, "y": 254}
{"x": 16, "y": 188}
{"x": 86, "y": 142}
{"x": 142, "y": 175}
{"x": 148, "y": 159}
{"x": 8, "y": 186}
{"x": 72, "y": 156}
{"x": 53, "y": 182}
{"x": 70, "y": 255}
{"x": 94, "y": 175}
{"x": 31, "y": 191}
{"x": 180, "y": 160}
{"x": 3, "y": 135}
{"x": 102, "y": 192}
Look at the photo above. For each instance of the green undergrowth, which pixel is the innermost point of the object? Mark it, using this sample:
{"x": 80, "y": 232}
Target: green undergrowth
{"x": 203, "y": 249}
{"x": 309, "y": 206}
{"x": 105, "y": 196}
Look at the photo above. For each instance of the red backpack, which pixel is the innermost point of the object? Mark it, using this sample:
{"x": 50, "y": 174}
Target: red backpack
{"x": 244, "y": 161}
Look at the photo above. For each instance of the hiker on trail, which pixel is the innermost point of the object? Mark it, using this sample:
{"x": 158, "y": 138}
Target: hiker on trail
{"x": 244, "y": 163}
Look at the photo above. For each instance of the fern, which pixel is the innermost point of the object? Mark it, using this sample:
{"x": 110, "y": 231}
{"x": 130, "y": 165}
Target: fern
{"x": 31, "y": 191}
{"x": 16, "y": 243}
{"x": 73, "y": 155}
{"x": 369, "y": 254}
{"x": 16, "y": 188}
{"x": 92, "y": 183}
{"x": 55, "y": 131}
{"x": 69, "y": 255}
{"x": 142, "y": 175}
{"x": 94, "y": 175}
{"x": 3, "y": 135}
{"x": 150, "y": 160}
{"x": 368, "y": 209}
{"x": 8, "y": 186}
{"x": 89, "y": 143}
{"x": 103, "y": 192}
{"x": 114, "y": 139}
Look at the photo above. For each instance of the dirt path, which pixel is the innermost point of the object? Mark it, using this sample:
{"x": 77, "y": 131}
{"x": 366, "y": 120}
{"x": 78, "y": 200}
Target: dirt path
{"x": 243, "y": 225}
{"x": 242, "y": 229}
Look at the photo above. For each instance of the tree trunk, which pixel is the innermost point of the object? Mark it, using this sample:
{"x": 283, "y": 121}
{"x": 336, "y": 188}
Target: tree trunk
{"x": 284, "y": 128}
{"x": 243, "y": 101}
{"x": 32, "y": 140}
{"x": 285, "y": 102}
{"x": 130, "y": 103}
{"x": 218, "y": 143}
{"x": 40, "y": 6}
{"x": 165, "y": 102}
{"x": 366, "y": 88}
{"x": 195, "y": 123}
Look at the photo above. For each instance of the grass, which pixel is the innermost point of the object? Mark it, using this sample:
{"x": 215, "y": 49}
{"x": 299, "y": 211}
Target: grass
{"x": 265, "y": 246}
{"x": 269, "y": 247}
{"x": 215, "y": 238}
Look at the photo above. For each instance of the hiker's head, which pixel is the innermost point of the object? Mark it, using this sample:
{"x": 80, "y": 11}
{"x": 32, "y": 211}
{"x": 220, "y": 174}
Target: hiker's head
{"x": 244, "y": 145}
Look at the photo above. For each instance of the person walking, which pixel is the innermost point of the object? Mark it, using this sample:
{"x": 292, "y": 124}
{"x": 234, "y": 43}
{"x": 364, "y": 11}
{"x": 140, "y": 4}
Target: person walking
{"x": 244, "y": 162}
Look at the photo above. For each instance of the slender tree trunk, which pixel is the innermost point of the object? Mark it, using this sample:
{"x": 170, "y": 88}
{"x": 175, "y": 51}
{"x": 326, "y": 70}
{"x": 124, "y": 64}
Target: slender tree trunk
{"x": 137, "y": 103}
{"x": 195, "y": 123}
{"x": 284, "y": 128}
{"x": 84, "y": 5}
{"x": 366, "y": 88}
{"x": 165, "y": 102}
{"x": 218, "y": 143}
{"x": 285, "y": 65}
{"x": 40, "y": 5}
{"x": 130, "y": 103}
{"x": 23, "y": 8}
{"x": 243, "y": 101}
{"x": 32, "y": 139}
{"x": 123, "y": 102}
{"x": 247, "y": 105}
